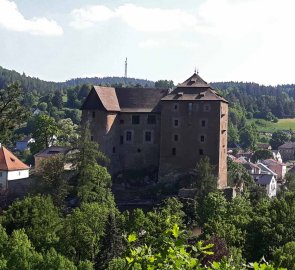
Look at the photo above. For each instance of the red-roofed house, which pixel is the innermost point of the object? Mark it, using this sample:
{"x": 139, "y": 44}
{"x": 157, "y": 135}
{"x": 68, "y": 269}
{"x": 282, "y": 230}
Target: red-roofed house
{"x": 279, "y": 168}
{"x": 11, "y": 168}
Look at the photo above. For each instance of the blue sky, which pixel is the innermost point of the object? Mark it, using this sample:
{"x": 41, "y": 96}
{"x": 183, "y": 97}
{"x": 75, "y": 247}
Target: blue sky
{"x": 240, "y": 40}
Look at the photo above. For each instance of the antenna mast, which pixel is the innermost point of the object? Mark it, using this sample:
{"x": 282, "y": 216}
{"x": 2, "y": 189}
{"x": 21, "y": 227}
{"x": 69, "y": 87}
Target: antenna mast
{"x": 126, "y": 68}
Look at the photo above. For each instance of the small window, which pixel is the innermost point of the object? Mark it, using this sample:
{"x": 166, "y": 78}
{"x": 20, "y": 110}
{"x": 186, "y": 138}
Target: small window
{"x": 175, "y": 122}
{"x": 128, "y": 136}
{"x": 121, "y": 121}
{"x": 173, "y": 151}
{"x": 93, "y": 114}
{"x": 135, "y": 119}
{"x": 121, "y": 139}
{"x": 202, "y": 138}
{"x": 201, "y": 152}
{"x": 151, "y": 120}
{"x": 203, "y": 123}
{"x": 92, "y": 138}
{"x": 138, "y": 150}
{"x": 148, "y": 136}
{"x": 190, "y": 107}
{"x": 176, "y": 137}
{"x": 175, "y": 107}
{"x": 1, "y": 174}
{"x": 114, "y": 149}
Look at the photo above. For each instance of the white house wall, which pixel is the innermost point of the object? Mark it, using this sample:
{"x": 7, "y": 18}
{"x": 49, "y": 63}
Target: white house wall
{"x": 272, "y": 188}
{"x": 15, "y": 175}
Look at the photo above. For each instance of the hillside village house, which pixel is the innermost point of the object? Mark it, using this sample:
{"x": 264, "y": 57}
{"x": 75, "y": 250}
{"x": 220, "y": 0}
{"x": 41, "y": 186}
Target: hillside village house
{"x": 152, "y": 129}
{"x": 24, "y": 144}
{"x": 11, "y": 168}
{"x": 279, "y": 168}
{"x": 287, "y": 151}
{"x": 269, "y": 182}
{"x": 48, "y": 153}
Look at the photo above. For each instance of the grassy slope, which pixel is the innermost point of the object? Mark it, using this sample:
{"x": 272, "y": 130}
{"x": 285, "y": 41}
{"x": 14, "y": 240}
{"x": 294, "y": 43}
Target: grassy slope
{"x": 283, "y": 124}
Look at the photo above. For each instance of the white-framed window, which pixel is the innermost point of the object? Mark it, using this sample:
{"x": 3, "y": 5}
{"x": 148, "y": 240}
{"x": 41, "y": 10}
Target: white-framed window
{"x": 202, "y": 138}
{"x": 135, "y": 119}
{"x": 176, "y": 122}
{"x": 148, "y": 136}
{"x": 129, "y": 136}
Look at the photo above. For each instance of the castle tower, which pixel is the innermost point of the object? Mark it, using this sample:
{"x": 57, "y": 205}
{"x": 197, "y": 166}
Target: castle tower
{"x": 193, "y": 124}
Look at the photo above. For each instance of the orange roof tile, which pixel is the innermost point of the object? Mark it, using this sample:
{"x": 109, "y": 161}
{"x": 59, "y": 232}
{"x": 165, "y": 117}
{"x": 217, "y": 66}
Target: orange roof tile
{"x": 9, "y": 162}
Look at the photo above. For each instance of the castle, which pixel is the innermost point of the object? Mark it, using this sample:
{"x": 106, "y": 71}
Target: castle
{"x": 152, "y": 129}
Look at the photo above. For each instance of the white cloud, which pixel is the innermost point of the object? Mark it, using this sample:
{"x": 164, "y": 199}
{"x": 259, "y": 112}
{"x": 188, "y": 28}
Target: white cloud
{"x": 87, "y": 17}
{"x": 12, "y": 19}
{"x": 238, "y": 18}
{"x": 155, "y": 19}
{"x": 140, "y": 18}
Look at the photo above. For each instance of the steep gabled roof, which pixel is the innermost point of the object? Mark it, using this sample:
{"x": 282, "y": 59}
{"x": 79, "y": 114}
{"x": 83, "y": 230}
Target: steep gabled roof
{"x": 124, "y": 99}
{"x": 103, "y": 98}
{"x": 263, "y": 179}
{"x": 108, "y": 98}
{"x": 193, "y": 89}
{"x": 9, "y": 162}
{"x": 194, "y": 81}
{"x": 287, "y": 145}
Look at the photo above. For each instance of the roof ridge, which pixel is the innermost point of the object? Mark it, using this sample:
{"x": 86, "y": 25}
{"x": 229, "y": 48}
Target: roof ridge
{"x": 4, "y": 155}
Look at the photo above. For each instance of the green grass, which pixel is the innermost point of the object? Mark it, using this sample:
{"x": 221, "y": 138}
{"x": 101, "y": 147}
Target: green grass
{"x": 282, "y": 124}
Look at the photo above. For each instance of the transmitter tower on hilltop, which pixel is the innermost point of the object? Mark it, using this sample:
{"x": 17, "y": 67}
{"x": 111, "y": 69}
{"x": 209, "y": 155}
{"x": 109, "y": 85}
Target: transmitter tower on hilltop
{"x": 125, "y": 68}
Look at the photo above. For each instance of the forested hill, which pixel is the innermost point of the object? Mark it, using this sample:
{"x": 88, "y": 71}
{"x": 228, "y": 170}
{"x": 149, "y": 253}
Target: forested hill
{"x": 109, "y": 81}
{"x": 35, "y": 84}
{"x": 260, "y": 99}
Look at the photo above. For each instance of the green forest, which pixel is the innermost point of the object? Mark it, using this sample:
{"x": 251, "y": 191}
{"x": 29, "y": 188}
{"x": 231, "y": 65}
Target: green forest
{"x": 71, "y": 220}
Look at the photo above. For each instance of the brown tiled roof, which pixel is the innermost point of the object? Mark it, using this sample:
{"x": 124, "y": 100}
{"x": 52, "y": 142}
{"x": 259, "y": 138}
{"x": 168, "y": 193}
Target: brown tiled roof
{"x": 194, "y": 81}
{"x": 108, "y": 98}
{"x": 53, "y": 150}
{"x": 124, "y": 99}
{"x": 194, "y": 89}
{"x": 140, "y": 99}
{"x": 271, "y": 161}
{"x": 9, "y": 162}
{"x": 287, "y": 145}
